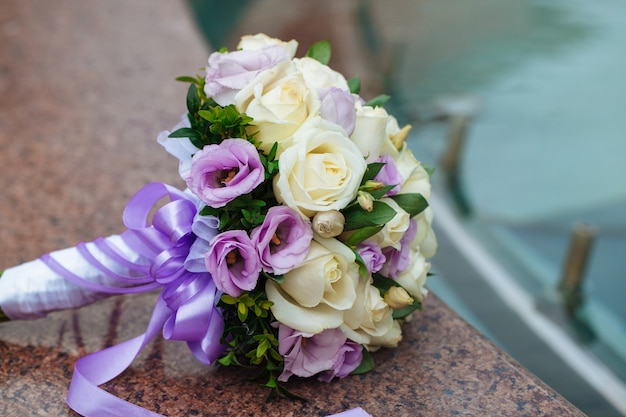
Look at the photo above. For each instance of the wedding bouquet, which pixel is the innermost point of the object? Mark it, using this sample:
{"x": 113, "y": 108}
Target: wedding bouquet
{"x": 299, "y": 246}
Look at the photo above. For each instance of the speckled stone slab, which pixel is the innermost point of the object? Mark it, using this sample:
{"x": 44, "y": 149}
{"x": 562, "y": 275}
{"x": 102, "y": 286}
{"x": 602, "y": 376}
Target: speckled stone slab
{"x": 84, "y": 90}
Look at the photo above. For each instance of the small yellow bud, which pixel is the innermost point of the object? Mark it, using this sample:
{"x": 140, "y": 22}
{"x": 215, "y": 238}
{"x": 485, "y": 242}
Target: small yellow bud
{"x": 371, "y": 185}
{"x": 328, "y": 223}
{"x": 366, "y": 201}
{"x": 399, "y": 138}
{"x": 397, "y": 298}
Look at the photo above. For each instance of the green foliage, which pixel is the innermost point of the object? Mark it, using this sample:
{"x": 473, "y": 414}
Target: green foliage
{"x": 378, "y": 101}
{"x": 320, "y": 51}
{"x": 251, "y": 339}
{"x": 363, "y": 234}
{"x": 358, "y": 218}
{"x": 354, "y": 84}
{"x": 371, "y": 171}
{"x": 210, "y": 123}
{"x": 226, "y": 122}
{"x": 412, "y": 203}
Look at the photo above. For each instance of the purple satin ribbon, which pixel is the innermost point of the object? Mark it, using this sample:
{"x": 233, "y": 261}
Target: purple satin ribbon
{"x": 184, "y": 311}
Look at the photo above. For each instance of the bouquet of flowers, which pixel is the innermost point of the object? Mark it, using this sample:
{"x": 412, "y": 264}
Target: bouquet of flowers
{"x": 299, "y": 246}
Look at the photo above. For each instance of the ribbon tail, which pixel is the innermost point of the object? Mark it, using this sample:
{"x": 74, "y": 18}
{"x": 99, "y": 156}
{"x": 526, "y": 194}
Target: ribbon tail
{"x": 84, "y": 395}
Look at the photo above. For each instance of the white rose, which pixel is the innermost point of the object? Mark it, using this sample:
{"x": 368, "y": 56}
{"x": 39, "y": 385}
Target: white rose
{"x": 279, "y": 102}
{"x": 425, "y": 240}
{"x": 261, "y": 40}
{"x": 395, "y": 137}
{"x": 414, "y": 277}
{"x": 369, "y": 316}
{"x": 370, "y": 130}
{"x": 317, "y": 75}
{"x": 390, "y": 339}
{"x": 395, "y": 228}
{"x": 314, "y": 296}
{"x": 321, "y": 170}
{"x": 416, "y": 179}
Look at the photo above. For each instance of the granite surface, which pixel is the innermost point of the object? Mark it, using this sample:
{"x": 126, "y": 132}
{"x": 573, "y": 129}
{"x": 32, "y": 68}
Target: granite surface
{"x": 84, "y": 90}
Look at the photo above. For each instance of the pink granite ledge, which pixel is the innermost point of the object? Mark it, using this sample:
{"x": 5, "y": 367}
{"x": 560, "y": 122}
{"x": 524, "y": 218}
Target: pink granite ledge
{"x": 84, "y": 90}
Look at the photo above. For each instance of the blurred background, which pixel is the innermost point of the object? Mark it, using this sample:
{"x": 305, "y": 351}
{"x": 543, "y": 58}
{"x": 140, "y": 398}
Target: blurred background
{"x": 519, "y": 107}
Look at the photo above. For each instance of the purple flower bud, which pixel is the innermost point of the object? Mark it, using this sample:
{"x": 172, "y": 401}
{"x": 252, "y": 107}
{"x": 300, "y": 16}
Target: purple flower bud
{"x": 221, "y": 173}
{"x": 283, "y": 240}
{"x": 306, "y": 355}
{"x": 337, "y": 106}
{"x": 228, "y": 73}
{"x": 233, "y": 262}
{"x": 372, "y": 255}
{"x": 389, "y": 174}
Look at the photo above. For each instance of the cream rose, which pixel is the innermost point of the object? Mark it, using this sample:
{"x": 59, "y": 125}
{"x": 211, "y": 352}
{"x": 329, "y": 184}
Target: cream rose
{"x": 395, "y": 228}
{"x": 261, "y": 40}
{"x": 321, "y": 170}
{"x": 317, "y": 75}
{"x": 390, "y": 339}
{"x": 314, "y": 296}
{"x": 425, "y": 240}
{"x": 370, "y": 130}
{"x": 395, "y": 137}
{"x": 416, "y": 179}
{"x": 279, "y": 102}
{"x": 414, "y": 277}
{"x": 370, "y": 316}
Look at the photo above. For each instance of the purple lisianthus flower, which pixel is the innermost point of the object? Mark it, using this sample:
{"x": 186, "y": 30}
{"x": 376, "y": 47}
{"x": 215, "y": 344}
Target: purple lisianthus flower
{"x": 348, "y": 358}
{"x": 337, "y": 106}
{"x": 283, "y": 240}
{"x": 221, "y": 173}
{"x": 399, "y": 260}
{"x": 372, "y": 255}
{"x": 233, "y": 262}
{"x": 307, "y": 354}
{"x": 229, "y": 72}
{"x": 389, "y": 174}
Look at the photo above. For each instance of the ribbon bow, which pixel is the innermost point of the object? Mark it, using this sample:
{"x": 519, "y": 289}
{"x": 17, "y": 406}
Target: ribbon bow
{"x": 184, "y": 311}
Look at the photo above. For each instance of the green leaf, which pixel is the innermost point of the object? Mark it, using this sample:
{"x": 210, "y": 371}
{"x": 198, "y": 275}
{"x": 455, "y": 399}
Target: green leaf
{"x": 228, "y": 299}
{"x": 363, "y": 271}
{"x": 184, "y": 132}
{"x": 381, "y": 191}
{"x": 225, "y": 360}
{"x": 412, "y": 203}
{"x": 403, "y": 312}
{"x": 378, "y": 101}
{"x": 372, "y": 170}
{"x": 363, "y": 234}
{"x": 354, "y": 84}
{"x": 193, "y": 102}
{"x": 366, "y": 365}
{"x": 187, "y": 79}
{"x": 320, "y": 51}
{"x": 358, "y": 218}
{"x": 242, "y": 311}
